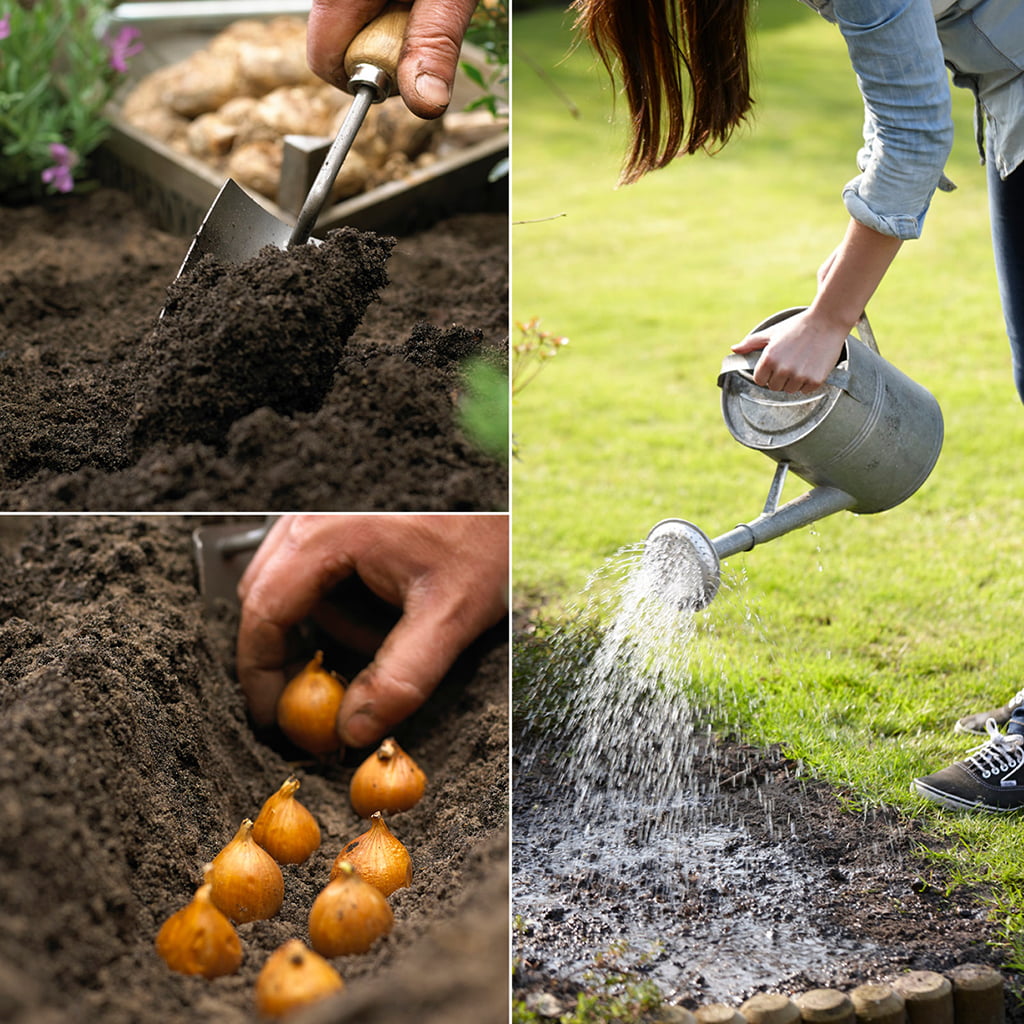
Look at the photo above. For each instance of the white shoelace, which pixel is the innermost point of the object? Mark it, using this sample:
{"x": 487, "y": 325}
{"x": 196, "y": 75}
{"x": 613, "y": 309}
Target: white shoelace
{"x": 998, "y": 754}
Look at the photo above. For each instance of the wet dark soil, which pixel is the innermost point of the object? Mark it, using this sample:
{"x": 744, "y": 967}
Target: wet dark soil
{"x": 127, "y": 762}
{"x": 319, "y": 379}
{"x": 774, "y": 885}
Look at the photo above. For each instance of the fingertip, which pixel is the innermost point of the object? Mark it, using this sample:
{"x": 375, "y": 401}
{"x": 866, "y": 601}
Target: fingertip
{"x": 360, "y": 728}
{"x": 262, "y": 689}
{"x": 433, "y": 92}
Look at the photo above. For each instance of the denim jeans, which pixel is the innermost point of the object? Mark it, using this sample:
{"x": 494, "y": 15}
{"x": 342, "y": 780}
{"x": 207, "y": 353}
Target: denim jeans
{"x": 1006, "y": 203}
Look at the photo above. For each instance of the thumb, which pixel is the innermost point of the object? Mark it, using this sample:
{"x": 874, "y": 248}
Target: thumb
{"x": 410, "y": 663}
{"x": 751, "y": 343}
{"x": 430, "y": 56}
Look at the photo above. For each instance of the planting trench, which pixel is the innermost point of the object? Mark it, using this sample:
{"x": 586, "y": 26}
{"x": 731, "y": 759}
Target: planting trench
{"x": 128, "y": 761}
{"x": 312, "y": 380}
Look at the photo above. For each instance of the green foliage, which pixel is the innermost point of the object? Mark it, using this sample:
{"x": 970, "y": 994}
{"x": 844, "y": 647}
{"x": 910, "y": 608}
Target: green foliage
{"x": 483, "y": 411}
{"x": 489, "y": 31}
{"x": 612, "y": 994}
{"x": 57, "y": 73}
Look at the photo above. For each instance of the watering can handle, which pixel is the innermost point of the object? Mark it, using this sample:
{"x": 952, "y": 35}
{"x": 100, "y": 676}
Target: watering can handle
{"x": 745, "y": 363}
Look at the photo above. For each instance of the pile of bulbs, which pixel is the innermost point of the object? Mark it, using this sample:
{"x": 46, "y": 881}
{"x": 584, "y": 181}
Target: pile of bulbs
{"x": 244, "y": 881}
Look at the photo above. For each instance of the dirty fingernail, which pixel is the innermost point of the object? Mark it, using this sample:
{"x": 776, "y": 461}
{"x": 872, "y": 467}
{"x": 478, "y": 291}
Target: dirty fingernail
{"x": 433, "y": 90}
{"x": 361, "y": 729}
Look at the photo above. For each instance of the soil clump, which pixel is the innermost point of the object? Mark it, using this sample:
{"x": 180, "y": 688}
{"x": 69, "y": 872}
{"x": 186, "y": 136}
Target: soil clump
{"x": 324, "y": 379}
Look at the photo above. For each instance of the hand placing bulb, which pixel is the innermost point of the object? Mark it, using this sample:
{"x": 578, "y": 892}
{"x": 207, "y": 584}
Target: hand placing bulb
{"x": 447, "y": 573}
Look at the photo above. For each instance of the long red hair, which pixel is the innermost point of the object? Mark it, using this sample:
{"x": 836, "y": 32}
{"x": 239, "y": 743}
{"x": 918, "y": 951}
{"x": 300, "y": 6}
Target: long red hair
{"x": 672, "y": 55}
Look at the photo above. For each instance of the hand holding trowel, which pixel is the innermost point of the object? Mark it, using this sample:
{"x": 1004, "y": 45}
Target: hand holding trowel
{"x": 236, "y": 227}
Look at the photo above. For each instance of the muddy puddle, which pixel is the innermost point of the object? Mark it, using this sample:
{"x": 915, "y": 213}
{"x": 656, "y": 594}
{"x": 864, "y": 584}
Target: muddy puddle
{"x": 705, "y": 913}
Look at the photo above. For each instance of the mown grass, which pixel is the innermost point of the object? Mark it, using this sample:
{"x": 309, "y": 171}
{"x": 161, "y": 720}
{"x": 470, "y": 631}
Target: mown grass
{"x": 856, "y": 643}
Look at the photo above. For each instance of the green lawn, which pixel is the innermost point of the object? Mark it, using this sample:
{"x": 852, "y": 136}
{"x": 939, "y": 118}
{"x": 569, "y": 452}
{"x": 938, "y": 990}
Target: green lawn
{"x": 856, "y": 643}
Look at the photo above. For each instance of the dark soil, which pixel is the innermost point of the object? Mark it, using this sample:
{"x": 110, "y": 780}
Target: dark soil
{"x": 778, "y": 886}
{"x": 127, "y": 762}
{"x": 318, "y": 379}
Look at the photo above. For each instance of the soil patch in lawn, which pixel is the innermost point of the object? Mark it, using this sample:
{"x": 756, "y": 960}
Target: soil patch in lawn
{"x": 756, "y": 878}
{"x": 317, "y": 379}
{"x": 128, "y": 762}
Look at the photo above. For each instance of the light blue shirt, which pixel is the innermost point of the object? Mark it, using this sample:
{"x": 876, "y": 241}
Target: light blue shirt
{"x": 900, "y": 50}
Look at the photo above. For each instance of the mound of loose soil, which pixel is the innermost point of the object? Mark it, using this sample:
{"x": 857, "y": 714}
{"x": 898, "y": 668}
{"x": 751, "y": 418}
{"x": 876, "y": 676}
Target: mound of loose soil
{"x": 268, "y": 332}
{"x": 127, "y": 762}
{"x": 308, "y": 380}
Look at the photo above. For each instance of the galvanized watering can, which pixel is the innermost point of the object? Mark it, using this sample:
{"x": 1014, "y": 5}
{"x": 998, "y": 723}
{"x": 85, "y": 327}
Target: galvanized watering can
{"x": 866, "y": 440}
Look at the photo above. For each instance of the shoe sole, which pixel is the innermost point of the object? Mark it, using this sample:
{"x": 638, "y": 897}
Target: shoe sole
{"x": 1001, "y": 715}
{"x": 956, "y": 803}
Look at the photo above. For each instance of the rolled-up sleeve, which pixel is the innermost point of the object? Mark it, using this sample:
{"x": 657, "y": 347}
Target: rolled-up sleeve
{"x": 908, "y": 128}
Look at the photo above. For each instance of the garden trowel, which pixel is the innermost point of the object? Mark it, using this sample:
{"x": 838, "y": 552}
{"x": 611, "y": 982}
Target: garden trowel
{"x": 236, "y": 227}
{"x": 222, "y": 552}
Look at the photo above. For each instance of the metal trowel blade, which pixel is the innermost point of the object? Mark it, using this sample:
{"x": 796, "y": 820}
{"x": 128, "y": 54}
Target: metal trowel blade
{"x": 235, "y": 228}
{"x": 221, "y": 554}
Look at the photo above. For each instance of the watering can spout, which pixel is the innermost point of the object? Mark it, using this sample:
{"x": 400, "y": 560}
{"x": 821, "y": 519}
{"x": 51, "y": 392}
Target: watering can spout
{"x": 774, "y": 521}
{"x": 684, "y": 564}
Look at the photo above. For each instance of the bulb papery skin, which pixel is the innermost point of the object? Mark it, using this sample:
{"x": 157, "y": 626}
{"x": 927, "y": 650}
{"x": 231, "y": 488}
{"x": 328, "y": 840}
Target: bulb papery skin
{"x": 286, "y": 829}
{"x": 348, "y": 916}
{"x": 379, "y": 856}
{"x": 199, "y": 939}
{"x": 294, "y": 976}
{"x": 247, "y": 883}
{"x": 389, "y": 781}
{"x": 307, "y": 710}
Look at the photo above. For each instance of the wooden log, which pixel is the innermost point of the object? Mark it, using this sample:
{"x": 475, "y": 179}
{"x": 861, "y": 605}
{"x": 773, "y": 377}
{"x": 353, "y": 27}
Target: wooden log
{"x": 675, "y": 1015}
{"x": 718, "y": 1013}
{"x": 978, "y": 994}
{"x": 927, "y": 996}
{"x": 878, "y": 1004}
{"x": 825, "y": 1006}
{"x": 770, "y": 1008}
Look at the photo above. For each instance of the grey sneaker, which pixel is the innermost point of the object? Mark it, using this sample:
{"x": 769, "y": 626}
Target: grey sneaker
{"x": 976, "y": 723}
{"x": 990, "y": 778}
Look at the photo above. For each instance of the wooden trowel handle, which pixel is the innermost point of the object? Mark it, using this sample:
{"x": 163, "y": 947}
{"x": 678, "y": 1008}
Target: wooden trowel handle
{"x": 380, "y": 42}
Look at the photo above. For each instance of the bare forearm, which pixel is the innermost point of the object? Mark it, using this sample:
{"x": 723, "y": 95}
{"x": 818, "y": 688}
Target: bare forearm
{"x": 855, "y": 271}
{"x": 799, "y": 352}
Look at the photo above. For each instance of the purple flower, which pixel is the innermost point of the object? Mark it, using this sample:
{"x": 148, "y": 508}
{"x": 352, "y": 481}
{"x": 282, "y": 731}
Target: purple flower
{"x": 59, "y": 176}
{"x": 5, "y": 26}
{"x": 124, "y": 45}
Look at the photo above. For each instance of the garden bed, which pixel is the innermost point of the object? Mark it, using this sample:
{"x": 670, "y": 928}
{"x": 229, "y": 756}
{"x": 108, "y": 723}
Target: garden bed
{"x": 128, "y": 762}
{"x": 758, "y": 877}
{"x": 373, "y": 424}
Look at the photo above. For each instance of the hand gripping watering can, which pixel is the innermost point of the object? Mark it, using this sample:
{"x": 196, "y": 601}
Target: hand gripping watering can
{"x": 866, "y": 440}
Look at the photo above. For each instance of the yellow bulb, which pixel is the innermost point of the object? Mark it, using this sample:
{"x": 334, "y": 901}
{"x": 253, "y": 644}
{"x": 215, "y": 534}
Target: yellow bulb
{"x": 199, "y": 939}
{"x": 247, "y": 883}
{"x": 294, "y": 976}
{"x": 389, "y": 781}
{"x": 349, "y": 915}
{"x": 286, "y": 829}
{"x": 379, "y": 856}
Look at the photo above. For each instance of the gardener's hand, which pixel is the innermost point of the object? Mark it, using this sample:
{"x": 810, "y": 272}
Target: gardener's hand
{"x": 448, "y": 574}
{"x": 430, "y": 56}
{"x": 798, "y": 352}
